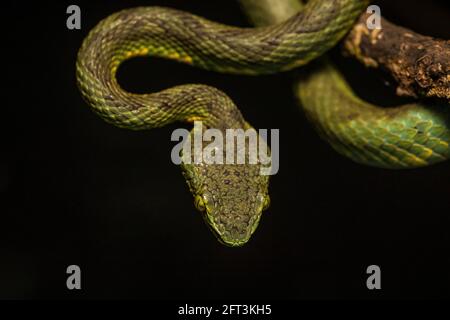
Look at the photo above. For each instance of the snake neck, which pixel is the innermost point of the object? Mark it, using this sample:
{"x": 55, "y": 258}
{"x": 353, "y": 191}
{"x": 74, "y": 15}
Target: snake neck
{"x": 114, "y": 41}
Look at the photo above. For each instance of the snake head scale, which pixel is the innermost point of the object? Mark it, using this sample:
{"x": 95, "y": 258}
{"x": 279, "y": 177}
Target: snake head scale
{"x": 231, "y": 198}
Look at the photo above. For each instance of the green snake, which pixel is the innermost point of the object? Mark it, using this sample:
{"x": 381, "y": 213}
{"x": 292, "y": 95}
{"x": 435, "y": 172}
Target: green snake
{"x": 233, "y": 197}
{"x": 406, "y": 136}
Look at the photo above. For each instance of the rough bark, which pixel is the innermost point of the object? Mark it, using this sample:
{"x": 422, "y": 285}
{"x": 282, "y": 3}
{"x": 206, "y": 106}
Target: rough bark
{"x": 419, "y": 64}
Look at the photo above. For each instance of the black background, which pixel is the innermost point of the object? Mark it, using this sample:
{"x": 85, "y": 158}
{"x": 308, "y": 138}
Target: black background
{"x": 75, "y": 190}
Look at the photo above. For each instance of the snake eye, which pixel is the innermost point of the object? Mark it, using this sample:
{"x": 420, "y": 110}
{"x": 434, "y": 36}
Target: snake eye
{"x": 199, "y": 203}
{"x": 266, "y": 203}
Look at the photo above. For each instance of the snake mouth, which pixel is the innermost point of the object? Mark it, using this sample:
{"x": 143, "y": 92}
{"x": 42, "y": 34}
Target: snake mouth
{"x": 221, "y": 237}
{"x": 229, "y": 243}
{"x": 235, "y": 244}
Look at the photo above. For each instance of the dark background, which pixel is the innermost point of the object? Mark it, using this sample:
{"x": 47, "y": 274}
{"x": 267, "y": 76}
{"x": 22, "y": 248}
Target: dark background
{"x": 75, "y": 190}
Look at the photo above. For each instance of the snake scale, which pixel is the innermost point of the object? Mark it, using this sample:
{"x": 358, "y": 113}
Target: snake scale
{"x": 233, "y": 197}
{"x": 406, "y": 136}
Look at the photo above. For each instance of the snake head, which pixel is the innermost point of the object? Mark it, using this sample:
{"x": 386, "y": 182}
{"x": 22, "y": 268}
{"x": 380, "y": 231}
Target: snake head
{"x": 230, "y": 197}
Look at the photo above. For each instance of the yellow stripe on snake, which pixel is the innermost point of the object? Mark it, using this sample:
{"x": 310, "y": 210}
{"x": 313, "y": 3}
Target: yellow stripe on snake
{"x": 232, "y": 197}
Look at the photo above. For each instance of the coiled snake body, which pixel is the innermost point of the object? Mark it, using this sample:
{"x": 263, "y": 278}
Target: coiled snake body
{"x": 232, "y": 197}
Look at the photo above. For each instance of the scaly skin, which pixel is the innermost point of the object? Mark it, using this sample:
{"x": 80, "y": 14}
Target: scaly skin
{"x": 232, "y": 197}
{"x": 407, "y": 136}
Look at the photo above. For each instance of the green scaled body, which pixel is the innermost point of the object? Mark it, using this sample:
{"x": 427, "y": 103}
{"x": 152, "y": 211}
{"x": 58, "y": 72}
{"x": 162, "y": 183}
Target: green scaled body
{"x": 407, "y": 136}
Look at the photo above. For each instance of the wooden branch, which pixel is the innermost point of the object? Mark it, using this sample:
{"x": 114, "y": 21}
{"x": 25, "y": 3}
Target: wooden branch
{"x": 420, "y": 64}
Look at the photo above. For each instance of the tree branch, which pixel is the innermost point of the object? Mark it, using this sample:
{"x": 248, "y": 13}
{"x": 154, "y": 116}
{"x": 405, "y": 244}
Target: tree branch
{"x": 420, "y": 64}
